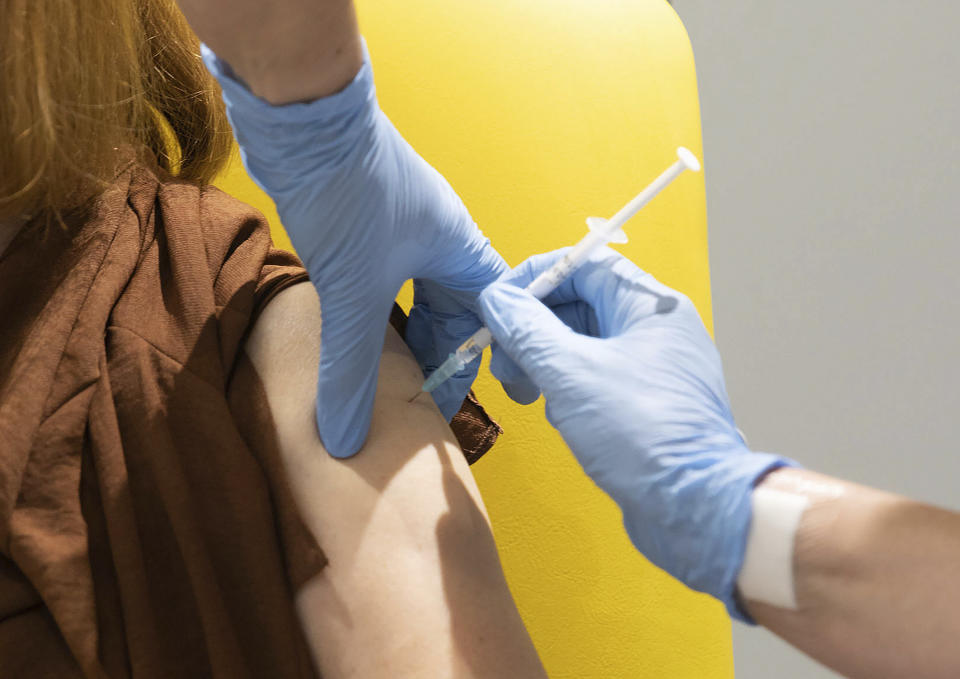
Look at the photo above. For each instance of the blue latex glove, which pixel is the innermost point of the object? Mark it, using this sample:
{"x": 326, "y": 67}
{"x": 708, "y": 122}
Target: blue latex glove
{"x": 365, "y": 213}
{"x": 633, "y": 382}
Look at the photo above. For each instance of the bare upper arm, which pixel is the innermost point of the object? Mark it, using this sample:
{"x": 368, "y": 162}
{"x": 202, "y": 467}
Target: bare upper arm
{"x": 414, "y": 587}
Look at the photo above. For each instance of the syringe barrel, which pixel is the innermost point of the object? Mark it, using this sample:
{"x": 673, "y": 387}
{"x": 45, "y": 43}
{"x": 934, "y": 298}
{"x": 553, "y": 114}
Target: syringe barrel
{"x": 455, "y": 362}
{"x": 475, "y": 345}
{"x": 550, "y": 279}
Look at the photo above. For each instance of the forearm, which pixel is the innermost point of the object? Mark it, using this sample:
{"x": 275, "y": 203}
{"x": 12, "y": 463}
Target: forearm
{"x": 875, "y": 581}
{"x": 285, "y": 50}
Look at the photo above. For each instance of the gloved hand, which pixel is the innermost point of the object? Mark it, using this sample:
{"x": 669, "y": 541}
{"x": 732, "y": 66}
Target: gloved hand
{"x": 633, "y": 383}
{"x": 365, "y": 213}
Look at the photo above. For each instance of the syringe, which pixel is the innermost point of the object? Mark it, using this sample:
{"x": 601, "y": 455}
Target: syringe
{"x": 601, "y": 232}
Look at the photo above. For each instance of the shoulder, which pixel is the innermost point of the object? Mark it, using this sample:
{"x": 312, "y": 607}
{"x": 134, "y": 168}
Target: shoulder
{"x": 206, "y": 266}
{"x": 411, "y": 558}
{"x": 284, "y": 346}
{"x": 219, "y": 225}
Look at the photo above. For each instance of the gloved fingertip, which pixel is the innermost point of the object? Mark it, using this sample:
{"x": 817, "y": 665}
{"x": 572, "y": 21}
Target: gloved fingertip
{"x": 523, "y": 392}
{"x": 450, "y": 398}
{"x": 449, "y": 408}
{"x": 499, "y": 303}
{"x": 343, "y": 453}
{"x": 339, "y": 442}
{"x": 512, "y": 378}
{"x": 344, "y": 408}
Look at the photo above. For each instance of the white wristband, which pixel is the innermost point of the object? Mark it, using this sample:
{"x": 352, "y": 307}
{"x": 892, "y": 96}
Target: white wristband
{"x": 767, "y": 572}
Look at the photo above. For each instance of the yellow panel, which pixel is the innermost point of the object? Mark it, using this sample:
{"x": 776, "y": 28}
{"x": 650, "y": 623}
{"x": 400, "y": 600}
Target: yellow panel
{"x": 541, "y": 113}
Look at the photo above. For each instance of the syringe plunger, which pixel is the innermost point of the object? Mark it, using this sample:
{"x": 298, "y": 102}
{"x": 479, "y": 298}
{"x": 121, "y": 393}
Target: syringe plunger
{"x": 599, "y": 235}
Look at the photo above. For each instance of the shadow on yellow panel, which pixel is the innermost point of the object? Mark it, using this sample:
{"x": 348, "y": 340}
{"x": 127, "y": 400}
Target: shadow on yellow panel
{"x": 541, "y": 113}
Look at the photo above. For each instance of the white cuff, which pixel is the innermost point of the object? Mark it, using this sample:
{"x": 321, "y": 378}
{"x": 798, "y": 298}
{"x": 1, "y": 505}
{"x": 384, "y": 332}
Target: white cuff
{"x": 767, "y": 572}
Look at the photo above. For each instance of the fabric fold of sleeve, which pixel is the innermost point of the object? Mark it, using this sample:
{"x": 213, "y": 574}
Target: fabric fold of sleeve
{"x": 146, "y": 526}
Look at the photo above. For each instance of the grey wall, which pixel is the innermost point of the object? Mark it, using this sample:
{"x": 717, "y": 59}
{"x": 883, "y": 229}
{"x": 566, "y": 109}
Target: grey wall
{"x": 833, "y": 172}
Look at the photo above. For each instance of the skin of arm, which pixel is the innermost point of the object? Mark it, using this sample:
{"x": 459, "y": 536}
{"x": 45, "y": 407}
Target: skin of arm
{"x": 414, "y": 586}
{"x": 285, "y": 50}
{"x": 876, "y": 578}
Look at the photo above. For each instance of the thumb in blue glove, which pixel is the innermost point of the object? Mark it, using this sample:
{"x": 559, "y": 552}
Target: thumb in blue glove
{"x": 634, "y": 385}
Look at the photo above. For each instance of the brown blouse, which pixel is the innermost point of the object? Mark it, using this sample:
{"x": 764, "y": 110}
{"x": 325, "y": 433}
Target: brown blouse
{"x": 146, "y": 528}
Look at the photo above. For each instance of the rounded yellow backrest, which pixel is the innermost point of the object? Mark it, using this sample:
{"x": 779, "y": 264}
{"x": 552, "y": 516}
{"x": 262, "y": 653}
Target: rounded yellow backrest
{"x": 542, "y": 113}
